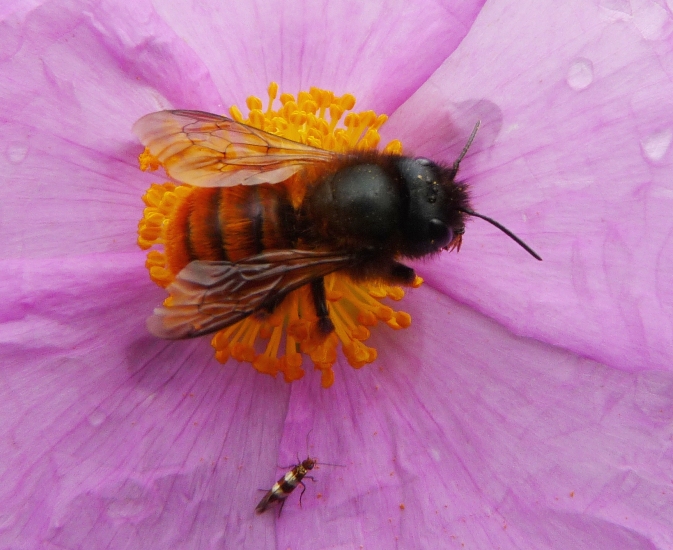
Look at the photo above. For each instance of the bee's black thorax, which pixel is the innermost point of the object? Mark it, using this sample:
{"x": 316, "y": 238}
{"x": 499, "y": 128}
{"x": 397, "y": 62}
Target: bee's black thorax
{"x": 384, "y": 206}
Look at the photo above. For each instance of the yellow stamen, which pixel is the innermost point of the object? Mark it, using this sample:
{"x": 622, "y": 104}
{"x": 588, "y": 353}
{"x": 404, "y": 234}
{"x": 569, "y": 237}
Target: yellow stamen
{"x": 148, "y": 162}
{"x": 277, "y": 343}
{"x": 273, "y": 92}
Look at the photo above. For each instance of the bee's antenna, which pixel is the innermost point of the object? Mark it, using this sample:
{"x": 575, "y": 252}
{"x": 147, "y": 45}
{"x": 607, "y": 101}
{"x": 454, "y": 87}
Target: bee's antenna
{"x": 328, "y": 464}
{"x": 501, "y": 227}
{"x": 467, "y": 146}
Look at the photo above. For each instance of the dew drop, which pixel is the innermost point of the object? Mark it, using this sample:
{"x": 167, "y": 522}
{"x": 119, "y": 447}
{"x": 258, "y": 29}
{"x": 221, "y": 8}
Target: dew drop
{"x": 96, "y": 418}
{"x": 655, "y": 145}
{"x": 16, "y": 152}
{"x": 127, "y": 508}
{"x": 580, "y": 74}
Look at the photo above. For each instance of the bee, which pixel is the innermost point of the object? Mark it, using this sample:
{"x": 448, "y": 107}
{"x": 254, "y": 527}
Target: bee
{"x": 243, "y": 240}
{"x": 286, "y": 484}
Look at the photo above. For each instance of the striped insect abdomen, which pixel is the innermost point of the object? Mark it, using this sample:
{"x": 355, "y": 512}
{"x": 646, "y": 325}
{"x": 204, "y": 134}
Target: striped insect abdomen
{"x": 288, "y": 483}
{"x": 229, "y": 224}
{"x": 285, "y": 485}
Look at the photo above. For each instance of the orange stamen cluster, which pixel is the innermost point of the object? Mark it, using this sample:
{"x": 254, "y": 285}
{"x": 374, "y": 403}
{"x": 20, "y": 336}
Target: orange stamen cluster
{"x": 312, "y": 118}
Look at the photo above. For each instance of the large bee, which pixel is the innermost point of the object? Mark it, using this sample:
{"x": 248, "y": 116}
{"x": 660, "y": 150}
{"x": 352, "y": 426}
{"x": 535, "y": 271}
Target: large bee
{"x": 247, "y": 242}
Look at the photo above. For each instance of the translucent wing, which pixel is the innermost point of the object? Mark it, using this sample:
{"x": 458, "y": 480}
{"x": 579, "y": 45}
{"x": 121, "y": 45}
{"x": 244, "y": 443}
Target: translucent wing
{"x": 265, "y": 502}
{"x": 214, "y": 151}
{"x": 209, "y": 296}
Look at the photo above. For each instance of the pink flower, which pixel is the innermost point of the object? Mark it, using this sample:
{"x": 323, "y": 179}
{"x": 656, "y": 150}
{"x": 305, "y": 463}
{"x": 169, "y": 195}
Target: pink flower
{"x": 528, "y": 406}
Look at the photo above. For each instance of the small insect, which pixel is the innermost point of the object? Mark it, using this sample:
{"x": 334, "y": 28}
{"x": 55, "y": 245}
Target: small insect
{"x": 286, "y": 484}
{"x": 246, "y": 239}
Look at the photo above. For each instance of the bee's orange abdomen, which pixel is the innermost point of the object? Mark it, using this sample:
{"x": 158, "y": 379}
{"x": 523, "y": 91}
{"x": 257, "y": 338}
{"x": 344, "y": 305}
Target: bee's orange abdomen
{"x": 177, "y": 248}
{"x": 229, "y": 224}
{"x": 240, "y": 231}
{"x": 279, "y": 219}
{"x": 205, "y": 235}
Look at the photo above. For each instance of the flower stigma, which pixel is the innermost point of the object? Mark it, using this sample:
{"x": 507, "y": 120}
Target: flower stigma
{"x": 277, "y": 342}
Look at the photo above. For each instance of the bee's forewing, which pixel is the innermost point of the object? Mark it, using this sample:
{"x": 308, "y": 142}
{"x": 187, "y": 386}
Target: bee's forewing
{"x": 209, "y": 150}
{"x": 209, "y": 296}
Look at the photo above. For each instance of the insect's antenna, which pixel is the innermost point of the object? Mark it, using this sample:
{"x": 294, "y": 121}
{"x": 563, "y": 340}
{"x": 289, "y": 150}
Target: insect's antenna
{"x": 309, "y": 433}
{"x": 503, "y": 229}
{"x": 328, "y": 464}
{"x": 467, "y": 146}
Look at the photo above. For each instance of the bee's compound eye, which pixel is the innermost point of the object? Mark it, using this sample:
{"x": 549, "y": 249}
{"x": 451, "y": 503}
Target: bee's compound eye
{"x": 439, "y": 233}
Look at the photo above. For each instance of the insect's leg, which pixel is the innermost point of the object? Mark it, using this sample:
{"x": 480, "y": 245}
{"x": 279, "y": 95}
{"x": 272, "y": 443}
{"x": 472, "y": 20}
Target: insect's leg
{"x": 270, "y": 305}
{"x": 314, "y": 480}
{"x": 302, "y": 492}
{"x": 401, "y": 274}
{"x": 280, "y": 506}
{"x": 325, "y": 325}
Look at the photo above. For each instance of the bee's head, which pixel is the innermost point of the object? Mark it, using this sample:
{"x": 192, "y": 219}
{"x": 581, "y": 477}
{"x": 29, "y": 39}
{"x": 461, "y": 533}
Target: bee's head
{"x": 437, "y": 206}
{"x": 434, "y": 217}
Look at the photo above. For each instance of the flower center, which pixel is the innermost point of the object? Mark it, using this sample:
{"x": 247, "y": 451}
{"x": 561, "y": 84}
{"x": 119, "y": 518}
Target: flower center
{"x": 277, "y": 343}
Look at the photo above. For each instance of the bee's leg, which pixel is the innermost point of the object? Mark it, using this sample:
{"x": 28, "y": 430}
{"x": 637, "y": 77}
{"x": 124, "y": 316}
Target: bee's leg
{"x": 401, "y": 274}
{"x": 280, "y": 506}
{"x": 270, "y": 305}
{"x": 325, "y": 325}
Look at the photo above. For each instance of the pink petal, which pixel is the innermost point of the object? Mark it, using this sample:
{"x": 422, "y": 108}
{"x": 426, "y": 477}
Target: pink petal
{"x": 383, "y": 50}
{"x": 114, "y": 439}
{"x": 105, "y": 443}
{"x": 465, "y": 435}
{"x": 575, "y": 158}
{"x": 68, "y": 154}
{"x": 109, "y": 434}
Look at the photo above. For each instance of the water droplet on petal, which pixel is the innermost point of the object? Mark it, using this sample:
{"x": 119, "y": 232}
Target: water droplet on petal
{"x": 580, "y": 74}
{"x": 96, "y": 418}
{"x": 16, "y": 151}
{"x": 511, "y": 128}
{"x": 655, "y": 145}
{"x": 133, "y": 503}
